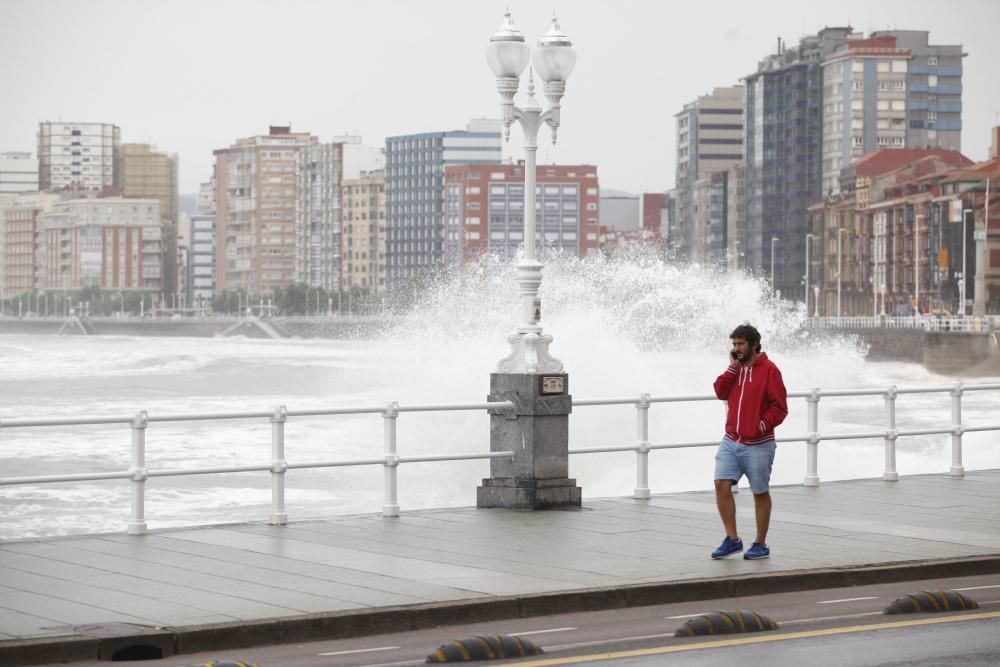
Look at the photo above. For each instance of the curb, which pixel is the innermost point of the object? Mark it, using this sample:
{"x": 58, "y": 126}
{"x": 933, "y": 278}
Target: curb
{"x": 358, "y": 623}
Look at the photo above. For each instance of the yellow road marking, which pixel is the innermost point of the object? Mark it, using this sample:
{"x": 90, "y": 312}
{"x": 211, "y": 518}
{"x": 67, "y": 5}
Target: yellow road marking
{"x": 658, "y": 650}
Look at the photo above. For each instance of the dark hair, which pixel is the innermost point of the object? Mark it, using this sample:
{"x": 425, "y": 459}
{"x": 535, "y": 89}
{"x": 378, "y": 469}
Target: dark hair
{"x": 748, "y": 333}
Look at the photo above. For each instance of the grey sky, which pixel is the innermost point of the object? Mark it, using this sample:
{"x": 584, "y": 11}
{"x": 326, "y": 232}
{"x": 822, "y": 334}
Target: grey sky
{"x": 191, "y": 76}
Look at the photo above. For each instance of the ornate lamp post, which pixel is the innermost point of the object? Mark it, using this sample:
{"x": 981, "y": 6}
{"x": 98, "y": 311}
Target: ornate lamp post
{"x": 537, "y": 430}
{"x": 554, "y": 58}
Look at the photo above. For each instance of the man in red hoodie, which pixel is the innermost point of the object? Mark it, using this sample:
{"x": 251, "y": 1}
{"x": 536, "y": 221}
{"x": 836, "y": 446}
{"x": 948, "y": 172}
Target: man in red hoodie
{"x": 757, "y": 403}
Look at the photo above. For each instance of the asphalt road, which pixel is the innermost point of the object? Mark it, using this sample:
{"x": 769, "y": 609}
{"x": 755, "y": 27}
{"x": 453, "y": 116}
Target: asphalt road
{"x": 840, "y": 627}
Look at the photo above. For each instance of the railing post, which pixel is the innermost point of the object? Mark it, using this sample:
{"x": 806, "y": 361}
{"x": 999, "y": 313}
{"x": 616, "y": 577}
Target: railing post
{"x": 642, "y": 444}
{"x": 389, "y": 418}
{"x": 137, "y": 520}
{"x": 812, "y": 446}
{"x": 279, "y": 467}
{"x": 957, "y": 469}
{"x": 890, "y": 474}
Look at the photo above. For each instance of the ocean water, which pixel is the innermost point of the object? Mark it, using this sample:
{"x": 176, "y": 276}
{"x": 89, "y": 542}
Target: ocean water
{"x": 621, "y": 328}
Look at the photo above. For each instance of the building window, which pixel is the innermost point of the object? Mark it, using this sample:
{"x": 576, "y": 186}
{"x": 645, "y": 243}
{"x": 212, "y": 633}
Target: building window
{"x": 932, "y": 80}
{"x": 932, "y": 61}
{"x": 899, "y": 66}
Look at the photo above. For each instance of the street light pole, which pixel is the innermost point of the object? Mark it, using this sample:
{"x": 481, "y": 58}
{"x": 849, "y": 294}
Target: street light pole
{"x": 774, "y": 240}
{"x": 917, "y": 252}
{"x": 536, "y": 430}
{"x": 809, "y": 238}
{"x": 554, "y": 59}
{"x": 840, "y": 244}
{"x": 961, "y": 285}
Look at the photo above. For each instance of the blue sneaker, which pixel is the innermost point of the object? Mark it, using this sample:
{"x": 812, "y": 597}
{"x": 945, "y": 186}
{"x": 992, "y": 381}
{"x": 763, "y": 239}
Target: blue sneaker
{"x": 728, "y": 548}
{"x": 756, "y": 552}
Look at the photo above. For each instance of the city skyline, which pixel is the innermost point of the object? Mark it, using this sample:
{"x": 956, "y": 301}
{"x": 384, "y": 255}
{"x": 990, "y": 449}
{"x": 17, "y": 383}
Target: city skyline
{"x": 215, "y": 84}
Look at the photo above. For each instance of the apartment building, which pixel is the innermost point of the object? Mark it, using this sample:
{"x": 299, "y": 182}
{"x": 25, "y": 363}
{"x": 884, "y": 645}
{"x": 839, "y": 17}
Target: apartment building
{"x": 18, "y": 173}
{"x": 709, "y": 139}
{"x": 20, "y": 241}
{"x": 111, "y": 243}
{"x": 485, "y": 210}
{"x": 150, "y": 174}
{"x": 202, "y": 261}
{"x": 255, "y": 203}
{"x": 890, "y": 90}
{"x": 318, "y": 213}
{"x": 414, "y": 182}
{"x": 782, "y": 155}
{"x": 886, "y": 229}
{"x": 82, "y": 156}
{"x": 363, "y": 247}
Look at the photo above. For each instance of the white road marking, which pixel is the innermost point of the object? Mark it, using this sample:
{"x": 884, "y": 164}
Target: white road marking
{"x": 829, "y": 618}
{"x": 975, "y": 588}
{"x": 540, "y": 632}
{"x": 361, "y": 650}
{"x": 700, "y": 613}
{"x": 870, "y": 597}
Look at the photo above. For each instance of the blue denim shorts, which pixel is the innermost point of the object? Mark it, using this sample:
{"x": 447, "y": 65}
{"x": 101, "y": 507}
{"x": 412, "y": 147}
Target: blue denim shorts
{"x": 734, "y": 460}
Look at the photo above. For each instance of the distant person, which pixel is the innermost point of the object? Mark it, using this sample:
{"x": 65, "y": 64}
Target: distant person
{"x": 757, "y": 402}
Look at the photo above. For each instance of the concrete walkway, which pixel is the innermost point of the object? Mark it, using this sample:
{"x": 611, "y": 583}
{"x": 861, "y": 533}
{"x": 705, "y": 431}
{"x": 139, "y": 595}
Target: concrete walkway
{"x": 253, "y": 582}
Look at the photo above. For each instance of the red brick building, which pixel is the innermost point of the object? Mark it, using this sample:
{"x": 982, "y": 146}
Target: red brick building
{"x": 484, "y": 210}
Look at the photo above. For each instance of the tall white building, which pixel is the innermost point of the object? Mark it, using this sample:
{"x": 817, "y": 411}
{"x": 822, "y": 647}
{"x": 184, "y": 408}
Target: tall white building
{"x": 79, "y": 155}
{"x": 18, "y": 173}
{"x": 318, "y": 215}
{"x": 359, "y": 158}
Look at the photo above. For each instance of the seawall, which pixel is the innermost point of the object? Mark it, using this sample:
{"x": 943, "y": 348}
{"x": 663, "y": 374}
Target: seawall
{"x": 960, "y": 353}
{"x": 305, "y": 327}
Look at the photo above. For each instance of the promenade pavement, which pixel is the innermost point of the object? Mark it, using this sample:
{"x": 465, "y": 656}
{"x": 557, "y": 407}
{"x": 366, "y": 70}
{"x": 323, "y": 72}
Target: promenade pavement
{"x": 338, "y": 574}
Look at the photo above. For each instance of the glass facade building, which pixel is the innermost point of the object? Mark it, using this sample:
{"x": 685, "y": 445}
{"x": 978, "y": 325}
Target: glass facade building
{"x": 414, "y": 190}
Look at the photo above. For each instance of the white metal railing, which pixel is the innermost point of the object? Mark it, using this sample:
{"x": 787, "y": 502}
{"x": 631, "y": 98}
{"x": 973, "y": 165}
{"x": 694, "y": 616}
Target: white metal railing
{"x": 390, "y": 459}
{"x": 926, "y": 322}
{"x": 278, "y": 466}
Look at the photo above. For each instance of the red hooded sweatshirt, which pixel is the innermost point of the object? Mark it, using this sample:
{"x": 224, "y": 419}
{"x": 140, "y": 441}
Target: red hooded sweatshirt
{"x": 757, "y": 400}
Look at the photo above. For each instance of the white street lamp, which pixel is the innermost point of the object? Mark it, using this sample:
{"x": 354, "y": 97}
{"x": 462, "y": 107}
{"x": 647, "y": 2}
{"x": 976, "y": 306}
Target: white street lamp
{"x": 961, "y": 285}
{"x": 554, "y": 59}
{"x": 809, "y": 238}
{"x": 774, "y": 240}
{"x": 917, "y": 253}
{"x": 840, "y": 244}
{"x": 538, "y": 475}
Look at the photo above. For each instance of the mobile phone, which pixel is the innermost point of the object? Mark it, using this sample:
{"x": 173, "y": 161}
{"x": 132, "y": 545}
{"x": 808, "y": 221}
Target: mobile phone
{"x": 734, "y": 355}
